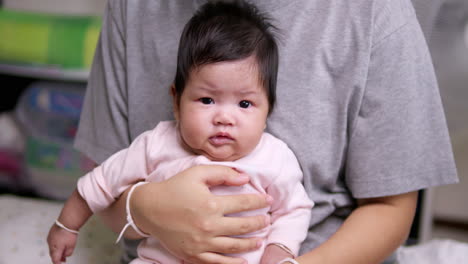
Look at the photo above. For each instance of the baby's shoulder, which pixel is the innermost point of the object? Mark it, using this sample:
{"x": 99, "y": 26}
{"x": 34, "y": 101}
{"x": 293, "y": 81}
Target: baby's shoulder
{"x": 274, "y": 148}
{"x": 165, "y": 128}
{"x": 164, "y": 135}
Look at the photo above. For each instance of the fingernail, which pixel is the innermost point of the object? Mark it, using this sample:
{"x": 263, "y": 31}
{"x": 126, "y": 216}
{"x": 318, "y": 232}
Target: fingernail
{"x": 259, "y": 243}
{"x": 269, "y": 199}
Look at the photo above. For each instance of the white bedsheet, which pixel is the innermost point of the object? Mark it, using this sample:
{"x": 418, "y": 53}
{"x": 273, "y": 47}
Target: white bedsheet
{"x": 437, "y": 251}
{"x": 25, "y": 222}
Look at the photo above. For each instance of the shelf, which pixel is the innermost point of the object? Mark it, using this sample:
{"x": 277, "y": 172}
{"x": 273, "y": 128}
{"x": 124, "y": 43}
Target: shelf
{"x": 44, "y": 72}
{"x": 60, "y": 7}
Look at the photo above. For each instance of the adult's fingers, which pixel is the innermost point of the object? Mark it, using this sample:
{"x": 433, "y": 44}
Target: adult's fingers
{"x": 243, "y": 202}
{"x": 214, "y": 175}
{"x": 233, "y": 245}
{"x": 236, "y": 226}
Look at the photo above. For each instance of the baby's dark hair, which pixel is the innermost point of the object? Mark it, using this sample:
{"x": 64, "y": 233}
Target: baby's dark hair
{"x": 229, "y": 31}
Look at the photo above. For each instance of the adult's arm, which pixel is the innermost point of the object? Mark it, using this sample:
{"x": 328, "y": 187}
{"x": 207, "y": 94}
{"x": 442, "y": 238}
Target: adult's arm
{"x": 398, "y": 143}
{"x": 188, "y": 220}
{"x": 371, "y": 233}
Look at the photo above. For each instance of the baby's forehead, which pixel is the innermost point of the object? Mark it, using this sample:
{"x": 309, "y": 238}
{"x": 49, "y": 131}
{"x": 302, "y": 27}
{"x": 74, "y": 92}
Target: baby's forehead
{"x": 247, "y": 68}
{"x": 250, "y": 63}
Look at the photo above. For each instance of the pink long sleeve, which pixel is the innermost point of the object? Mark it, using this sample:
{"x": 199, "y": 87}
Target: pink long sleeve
{"x": 105, "y": 183}
{"x": 291, "y": 210}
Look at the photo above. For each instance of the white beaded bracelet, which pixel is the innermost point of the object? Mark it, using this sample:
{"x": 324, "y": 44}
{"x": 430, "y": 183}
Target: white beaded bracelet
{"x": 65, "y": 228}
{"x": 129, "y": 215}
{"x": 293, "y": 261}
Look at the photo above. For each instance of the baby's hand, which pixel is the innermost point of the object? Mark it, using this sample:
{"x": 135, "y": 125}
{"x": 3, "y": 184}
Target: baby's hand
{"x": 274, "y": 254}
{"x": 61, "y": 244}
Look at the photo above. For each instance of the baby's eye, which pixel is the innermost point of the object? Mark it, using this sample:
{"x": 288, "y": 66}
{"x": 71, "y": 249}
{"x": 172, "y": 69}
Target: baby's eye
{"x": 206, "y": 100}
{"x": 245, "y": 104}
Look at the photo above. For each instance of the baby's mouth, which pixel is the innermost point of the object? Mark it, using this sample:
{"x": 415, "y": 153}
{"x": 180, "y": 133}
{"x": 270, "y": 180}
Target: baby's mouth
{"x": 221, "y": 139}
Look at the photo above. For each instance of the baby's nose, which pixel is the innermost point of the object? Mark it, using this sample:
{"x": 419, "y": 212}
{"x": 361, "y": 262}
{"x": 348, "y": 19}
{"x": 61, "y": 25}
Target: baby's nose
{"x": 224, "y": 117}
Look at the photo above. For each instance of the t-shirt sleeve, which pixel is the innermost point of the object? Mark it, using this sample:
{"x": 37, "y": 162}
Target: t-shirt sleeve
{"x": 103, "y": 127}
{"x": 399, "y": 141}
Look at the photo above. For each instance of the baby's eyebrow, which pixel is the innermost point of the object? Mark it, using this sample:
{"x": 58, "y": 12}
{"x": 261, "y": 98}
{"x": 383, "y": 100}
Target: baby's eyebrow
{"x": 247, "y": 92}
{"x": 209, "y": 89}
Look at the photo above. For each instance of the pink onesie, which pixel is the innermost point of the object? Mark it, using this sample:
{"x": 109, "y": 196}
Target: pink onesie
{"x": 156, "y": 155}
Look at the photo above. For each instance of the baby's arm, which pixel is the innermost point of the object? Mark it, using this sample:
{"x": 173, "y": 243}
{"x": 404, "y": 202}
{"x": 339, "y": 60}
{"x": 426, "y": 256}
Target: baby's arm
{"x": 290, "y": 211}
{"x": 96, "y": 191}
{"x": 289, "y": 227}
{"x": 73, "y": 216}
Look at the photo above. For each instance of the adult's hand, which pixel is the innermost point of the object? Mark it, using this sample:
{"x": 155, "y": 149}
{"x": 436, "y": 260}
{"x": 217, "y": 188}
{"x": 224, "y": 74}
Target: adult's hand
{"x": 190, "y": 221}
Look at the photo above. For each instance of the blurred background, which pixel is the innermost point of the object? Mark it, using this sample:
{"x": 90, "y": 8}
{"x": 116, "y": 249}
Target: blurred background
{"x": 445, "y": 24}
{"x": 46, "y": 49}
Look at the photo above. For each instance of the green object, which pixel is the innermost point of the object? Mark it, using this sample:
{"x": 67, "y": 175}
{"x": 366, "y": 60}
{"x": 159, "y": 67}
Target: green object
{"x": 51, "y": 156}
{"x": 64, "y": 41}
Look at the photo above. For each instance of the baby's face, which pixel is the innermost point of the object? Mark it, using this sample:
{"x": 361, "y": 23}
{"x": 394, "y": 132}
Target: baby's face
{"x": 223, "y": 110}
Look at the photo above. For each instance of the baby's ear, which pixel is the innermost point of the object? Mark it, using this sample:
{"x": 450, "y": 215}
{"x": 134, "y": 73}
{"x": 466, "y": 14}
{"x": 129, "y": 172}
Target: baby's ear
{"x": 175, "y": 103}
{"x": 172, "y": 90}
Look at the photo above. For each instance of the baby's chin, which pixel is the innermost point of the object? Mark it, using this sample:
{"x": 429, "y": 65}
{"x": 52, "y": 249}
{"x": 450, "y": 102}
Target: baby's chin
{"x": 214, "y": 154}
{"x": 219, "y": 155}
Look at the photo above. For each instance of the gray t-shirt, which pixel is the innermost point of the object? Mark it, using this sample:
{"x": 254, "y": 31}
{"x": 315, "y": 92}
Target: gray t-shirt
{"x": 358, "y": 101}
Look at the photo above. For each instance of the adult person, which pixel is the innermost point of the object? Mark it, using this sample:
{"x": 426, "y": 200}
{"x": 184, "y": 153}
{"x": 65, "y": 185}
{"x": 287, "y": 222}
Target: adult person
{"x": 224, "y": 90}
{"x": 358, "y": 103}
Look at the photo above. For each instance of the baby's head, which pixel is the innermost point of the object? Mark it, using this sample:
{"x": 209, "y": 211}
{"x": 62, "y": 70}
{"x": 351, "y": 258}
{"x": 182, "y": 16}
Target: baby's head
{"x": 225, "y": 85}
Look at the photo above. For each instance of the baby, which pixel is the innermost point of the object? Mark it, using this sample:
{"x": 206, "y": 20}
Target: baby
{"x": 224, "y": 90}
